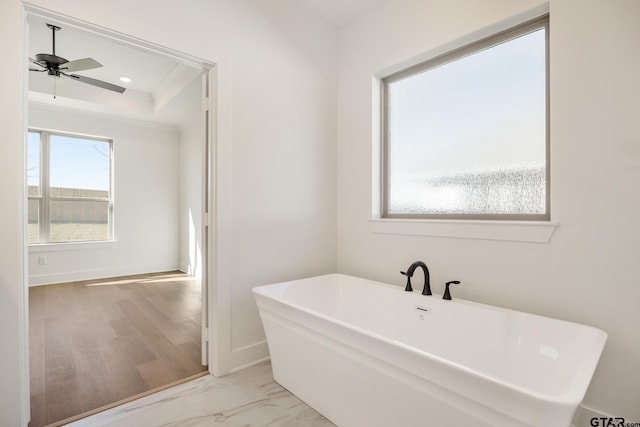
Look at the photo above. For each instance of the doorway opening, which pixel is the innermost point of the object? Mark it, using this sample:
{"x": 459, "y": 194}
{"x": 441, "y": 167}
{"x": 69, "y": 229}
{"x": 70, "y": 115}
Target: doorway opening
{"x": 139, "y": 290}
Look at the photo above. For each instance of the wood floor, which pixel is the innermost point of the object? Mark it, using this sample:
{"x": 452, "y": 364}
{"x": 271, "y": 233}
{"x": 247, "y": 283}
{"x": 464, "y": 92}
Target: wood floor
{"x": 94, "y": 343}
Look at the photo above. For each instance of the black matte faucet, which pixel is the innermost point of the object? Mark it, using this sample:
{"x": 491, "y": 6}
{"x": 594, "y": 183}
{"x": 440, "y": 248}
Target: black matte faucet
{"x": 409, "y": 273}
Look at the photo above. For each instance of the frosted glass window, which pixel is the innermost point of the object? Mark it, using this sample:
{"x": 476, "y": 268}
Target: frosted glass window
{"x": 466, "y": 134}
{"x": 69, "y": 188}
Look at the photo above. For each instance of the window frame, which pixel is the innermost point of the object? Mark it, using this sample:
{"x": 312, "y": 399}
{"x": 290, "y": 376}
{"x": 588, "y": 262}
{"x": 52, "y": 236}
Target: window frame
{"x": 45, "y": 198}
{"x": 450, "y": 56}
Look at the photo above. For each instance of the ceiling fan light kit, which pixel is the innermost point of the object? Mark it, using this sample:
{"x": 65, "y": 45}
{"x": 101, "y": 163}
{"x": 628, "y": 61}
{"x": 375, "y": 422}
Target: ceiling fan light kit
{"x": 57, "y": 66}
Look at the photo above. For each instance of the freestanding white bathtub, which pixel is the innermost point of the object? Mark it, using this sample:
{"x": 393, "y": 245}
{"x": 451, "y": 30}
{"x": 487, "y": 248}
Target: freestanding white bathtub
{"x": 364, "y": 353}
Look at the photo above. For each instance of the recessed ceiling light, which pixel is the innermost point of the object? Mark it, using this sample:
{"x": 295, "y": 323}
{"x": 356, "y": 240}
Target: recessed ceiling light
{"x": 124, "y": 79}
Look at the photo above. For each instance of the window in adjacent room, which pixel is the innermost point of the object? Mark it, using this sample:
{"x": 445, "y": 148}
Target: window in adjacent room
{"x": 465, "y": 134}
{"x": 69, "y": 188}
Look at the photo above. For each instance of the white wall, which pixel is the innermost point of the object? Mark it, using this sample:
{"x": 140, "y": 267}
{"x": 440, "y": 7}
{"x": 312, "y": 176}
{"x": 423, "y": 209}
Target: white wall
{"x": 275, "y": 140}
{"x": 284, "y": 188}
{"x": 145, "y": 198}
{"x": 191, "y": 170}
{"x": 589, "y": 271}
{"x": 14, "y": 402}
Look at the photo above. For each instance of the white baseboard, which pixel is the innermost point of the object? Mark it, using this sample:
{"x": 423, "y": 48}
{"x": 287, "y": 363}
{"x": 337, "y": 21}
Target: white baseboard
{"x": 240, "y": 368}
{"x": 73, "y": 276}
{"x": 184, "y": 267}
{"x": 584, "y": 415}
{"x": 249, "y": 355}
{"x": 190, "y": 269}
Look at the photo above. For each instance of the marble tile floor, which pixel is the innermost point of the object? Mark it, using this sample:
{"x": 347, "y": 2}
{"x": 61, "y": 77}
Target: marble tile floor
{"x": 247, "y": 398}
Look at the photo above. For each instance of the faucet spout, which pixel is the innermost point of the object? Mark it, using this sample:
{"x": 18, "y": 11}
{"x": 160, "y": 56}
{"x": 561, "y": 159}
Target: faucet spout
{"x": 409, "y": 273}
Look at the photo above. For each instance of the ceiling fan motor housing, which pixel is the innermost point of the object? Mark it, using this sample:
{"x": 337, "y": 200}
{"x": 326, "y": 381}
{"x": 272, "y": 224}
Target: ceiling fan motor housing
{"x": 54, "y": 60}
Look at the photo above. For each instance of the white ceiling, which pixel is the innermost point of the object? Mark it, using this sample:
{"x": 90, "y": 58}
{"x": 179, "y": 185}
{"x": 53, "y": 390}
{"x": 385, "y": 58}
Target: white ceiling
{"x": 339, "y": 12}
{"x": 163, "y": 89}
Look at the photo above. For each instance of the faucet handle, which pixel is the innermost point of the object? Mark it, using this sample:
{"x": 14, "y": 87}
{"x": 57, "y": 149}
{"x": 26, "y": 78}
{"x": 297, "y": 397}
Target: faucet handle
{"x": 407, "y": 288}
{"x": 447, "y": 294}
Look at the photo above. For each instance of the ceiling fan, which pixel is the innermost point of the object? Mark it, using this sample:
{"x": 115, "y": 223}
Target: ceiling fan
{"x": 57, "y": 66}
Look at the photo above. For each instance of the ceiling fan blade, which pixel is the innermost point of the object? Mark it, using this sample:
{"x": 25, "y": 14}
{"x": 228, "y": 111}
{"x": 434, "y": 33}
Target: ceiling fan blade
{"x": 94, "y": 82}
{"x": 81, "y": 65}
{"x": 33, "y": 61}
{"x": 35, "y": 69}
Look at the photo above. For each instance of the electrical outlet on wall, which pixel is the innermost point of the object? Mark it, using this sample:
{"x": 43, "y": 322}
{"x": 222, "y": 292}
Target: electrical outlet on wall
{"x": 42, "y": 260}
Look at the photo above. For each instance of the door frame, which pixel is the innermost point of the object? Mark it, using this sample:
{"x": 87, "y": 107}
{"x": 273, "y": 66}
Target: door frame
{"x": 213, "y": 318}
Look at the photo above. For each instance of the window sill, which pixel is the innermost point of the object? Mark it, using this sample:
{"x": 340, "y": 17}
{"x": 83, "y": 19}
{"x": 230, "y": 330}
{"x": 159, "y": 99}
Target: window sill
{"x": 70, "y": 246}
{"x": 515, "y": 231}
